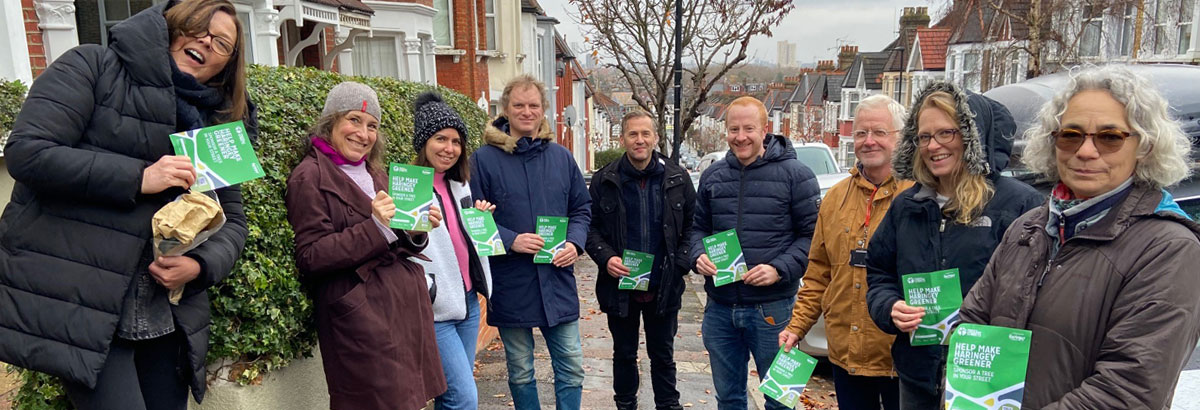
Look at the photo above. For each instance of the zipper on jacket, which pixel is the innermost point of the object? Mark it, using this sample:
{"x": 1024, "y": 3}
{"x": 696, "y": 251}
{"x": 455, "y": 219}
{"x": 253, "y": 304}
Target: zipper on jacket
{"x": 942, "y": 225}
{"x": 738, "y": 226}
{"x": 1042, "y": 279}
{"x": 741, "y": 191}
{"x": 644, "y": 215}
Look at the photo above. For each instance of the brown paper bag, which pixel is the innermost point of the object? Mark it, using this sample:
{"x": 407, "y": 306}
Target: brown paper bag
{"x": 184, "y": 224}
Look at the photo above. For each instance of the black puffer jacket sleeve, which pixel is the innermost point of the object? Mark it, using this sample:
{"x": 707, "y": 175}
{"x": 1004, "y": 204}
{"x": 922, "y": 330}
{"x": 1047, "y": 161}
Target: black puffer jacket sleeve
{"x": 883, "y": 285}
{"x": 43, "y": 150}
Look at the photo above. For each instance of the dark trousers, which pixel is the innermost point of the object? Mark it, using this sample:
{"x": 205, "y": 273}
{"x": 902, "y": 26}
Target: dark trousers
{"x": 158, "y": 367}
{"x": 660, "y": 346}
{"x": 913, "y": 397}
{"x": 865, "y": 393}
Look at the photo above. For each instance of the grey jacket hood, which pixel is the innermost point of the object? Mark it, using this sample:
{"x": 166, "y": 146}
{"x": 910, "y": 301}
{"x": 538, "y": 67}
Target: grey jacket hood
{"x": 986, "y": 126}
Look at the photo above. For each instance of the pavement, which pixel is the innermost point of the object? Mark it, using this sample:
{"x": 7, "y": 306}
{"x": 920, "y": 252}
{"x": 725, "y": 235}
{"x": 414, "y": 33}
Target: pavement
{"x": 1187, "y": 390}
{"x": 694, "y": 376}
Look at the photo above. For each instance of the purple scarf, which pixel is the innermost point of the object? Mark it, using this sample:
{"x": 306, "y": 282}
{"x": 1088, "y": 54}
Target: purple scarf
{"x": 333, "y": 155}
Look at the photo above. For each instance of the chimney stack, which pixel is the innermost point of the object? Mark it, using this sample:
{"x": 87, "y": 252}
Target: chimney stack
{"x": 846, "y": 57}
{"x": 913, "y": 18}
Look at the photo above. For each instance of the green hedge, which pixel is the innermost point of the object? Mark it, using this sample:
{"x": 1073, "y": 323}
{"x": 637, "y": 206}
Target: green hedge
{"x": 261, "y": 316}
{"x": 607, "y": 156}
{"x": 12, "y": 94}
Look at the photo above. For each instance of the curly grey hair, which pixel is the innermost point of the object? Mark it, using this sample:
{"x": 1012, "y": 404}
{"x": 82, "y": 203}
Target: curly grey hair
{"x": 1163, "y": 149}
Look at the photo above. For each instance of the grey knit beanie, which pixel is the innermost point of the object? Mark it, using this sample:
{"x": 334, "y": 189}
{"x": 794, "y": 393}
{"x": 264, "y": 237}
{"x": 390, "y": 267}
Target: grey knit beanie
{"x": 351, "y": 96}
{"x": 430, "y": 115}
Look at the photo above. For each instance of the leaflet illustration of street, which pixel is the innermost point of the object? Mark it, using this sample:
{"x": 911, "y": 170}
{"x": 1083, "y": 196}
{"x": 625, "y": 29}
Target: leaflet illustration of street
{"x": 549, "y": 253}
{"x": 220, "y": 154}
{"x": 1006, "y": 399}
{"x": 942, "y": 328}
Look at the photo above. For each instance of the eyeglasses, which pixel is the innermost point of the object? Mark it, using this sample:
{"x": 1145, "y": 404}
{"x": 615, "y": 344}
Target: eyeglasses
{"x": 1106, "y": 141}
{"x": 220, "y": 45}
{"x": 942, "y": 137}
{"x": 862, "y": 134}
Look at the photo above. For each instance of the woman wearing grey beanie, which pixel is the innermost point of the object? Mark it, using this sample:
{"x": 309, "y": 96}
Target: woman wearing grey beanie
{"x": 374, "y": 321}
{"x": 440, "y": 141}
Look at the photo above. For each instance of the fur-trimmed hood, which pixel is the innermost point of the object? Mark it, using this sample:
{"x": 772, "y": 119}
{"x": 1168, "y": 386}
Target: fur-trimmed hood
{"x": 496, "y": 134}
{"x": 986, "y": 126}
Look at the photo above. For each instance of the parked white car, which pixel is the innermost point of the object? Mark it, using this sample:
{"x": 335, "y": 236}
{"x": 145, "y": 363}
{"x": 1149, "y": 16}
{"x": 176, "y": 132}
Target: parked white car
{"x": 819, "y": 158}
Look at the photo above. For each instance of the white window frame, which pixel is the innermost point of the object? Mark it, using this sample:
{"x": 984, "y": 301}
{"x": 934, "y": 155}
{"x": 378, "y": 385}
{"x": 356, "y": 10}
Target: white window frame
{"x": 397, "y": 51}
{"x": 1128, "y": 20}
{"x": 1162, "y": 40}
{"x": 248, "y": 56}
{"x": 1014, "y": 68}
{"x": 106, "y": 24}
{"x": 449, "y": 21}
{"x": 1091, "y": 16}
{"x": 971, "y": 75}
{"x": 493, "y": 35}
{"x": 1185, "y": 25}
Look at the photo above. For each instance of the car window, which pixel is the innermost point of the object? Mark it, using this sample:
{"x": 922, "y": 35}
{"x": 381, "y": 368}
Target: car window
{"x": 816, "y": 159}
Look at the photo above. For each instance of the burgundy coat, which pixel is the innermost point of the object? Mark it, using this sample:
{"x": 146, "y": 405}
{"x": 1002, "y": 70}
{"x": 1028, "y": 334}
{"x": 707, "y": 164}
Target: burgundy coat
{"x": 373, "y": 314}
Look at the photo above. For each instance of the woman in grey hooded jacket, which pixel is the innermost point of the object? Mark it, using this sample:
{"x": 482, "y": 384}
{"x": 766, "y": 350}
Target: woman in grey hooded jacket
{"x": 954, "y": 145}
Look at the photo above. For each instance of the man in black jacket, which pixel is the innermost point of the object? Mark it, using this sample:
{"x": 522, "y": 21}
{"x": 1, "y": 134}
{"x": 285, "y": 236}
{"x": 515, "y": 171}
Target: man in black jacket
{"x": 631, "y": 199}
{"x": 770, "y": 198}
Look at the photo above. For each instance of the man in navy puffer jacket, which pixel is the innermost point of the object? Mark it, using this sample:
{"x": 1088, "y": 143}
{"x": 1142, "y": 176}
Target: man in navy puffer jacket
{"x": 771, "y": 199}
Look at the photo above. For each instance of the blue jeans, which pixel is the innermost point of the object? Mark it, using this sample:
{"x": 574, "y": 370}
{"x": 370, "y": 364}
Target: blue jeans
{"x": 731, "y": 334}
{"x": 566, "y": 357}
{"x": 456, "y": 344}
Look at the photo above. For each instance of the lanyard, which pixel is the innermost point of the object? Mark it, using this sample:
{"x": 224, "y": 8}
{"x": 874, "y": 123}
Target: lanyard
{"x": 867, "y": 221}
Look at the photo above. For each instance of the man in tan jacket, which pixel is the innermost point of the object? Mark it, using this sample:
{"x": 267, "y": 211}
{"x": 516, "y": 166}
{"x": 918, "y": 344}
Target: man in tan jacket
{"x": 835, "y": 282}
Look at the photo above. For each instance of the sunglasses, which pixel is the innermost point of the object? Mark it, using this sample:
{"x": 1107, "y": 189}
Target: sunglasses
{"x": 1106, "y": 141}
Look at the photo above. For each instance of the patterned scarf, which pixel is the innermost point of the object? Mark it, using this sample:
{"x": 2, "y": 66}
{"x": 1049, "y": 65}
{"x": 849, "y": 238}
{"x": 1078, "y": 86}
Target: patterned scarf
{"x": 1070, "y": 215}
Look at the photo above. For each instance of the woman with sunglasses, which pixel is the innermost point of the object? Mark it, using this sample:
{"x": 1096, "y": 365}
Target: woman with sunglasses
{"x": 84, "y": 298}
{"x": 1104, "y": 272}
{"x": 954, "y": 146}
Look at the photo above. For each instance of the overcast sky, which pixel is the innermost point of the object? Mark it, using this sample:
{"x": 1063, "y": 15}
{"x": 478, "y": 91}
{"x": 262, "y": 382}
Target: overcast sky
{"x": 816, "y": 27}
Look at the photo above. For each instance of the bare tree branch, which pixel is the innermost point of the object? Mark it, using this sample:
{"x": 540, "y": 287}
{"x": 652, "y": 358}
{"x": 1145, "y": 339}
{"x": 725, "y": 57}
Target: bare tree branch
{"x": 637, "y": 40}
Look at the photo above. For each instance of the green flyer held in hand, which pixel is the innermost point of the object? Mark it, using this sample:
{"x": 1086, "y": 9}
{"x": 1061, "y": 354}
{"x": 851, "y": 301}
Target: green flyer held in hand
{"x": 411, "y": 187}
{"x": 481, "y": 227}
{"x": 986, "y": 367}
{"x": 221, "y": 155}
{"x": 788, "y": 375}
{"x": 725, "y": 251}
{"x": 941, "y": 296}
{"x": 553, "y": 230}
{"x": 639, "y": 264}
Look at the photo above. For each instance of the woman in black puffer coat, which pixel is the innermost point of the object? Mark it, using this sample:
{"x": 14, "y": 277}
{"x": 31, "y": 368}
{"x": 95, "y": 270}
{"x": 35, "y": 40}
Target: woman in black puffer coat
{"x": 954, "y": 146}
{"x": 81, "y": 295}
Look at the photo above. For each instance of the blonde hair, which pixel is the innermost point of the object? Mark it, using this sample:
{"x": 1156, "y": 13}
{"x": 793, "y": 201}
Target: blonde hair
{"x": 522, "y": 82}
{"x": 971, "y": 192}
{"x": 748, "y": 101}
